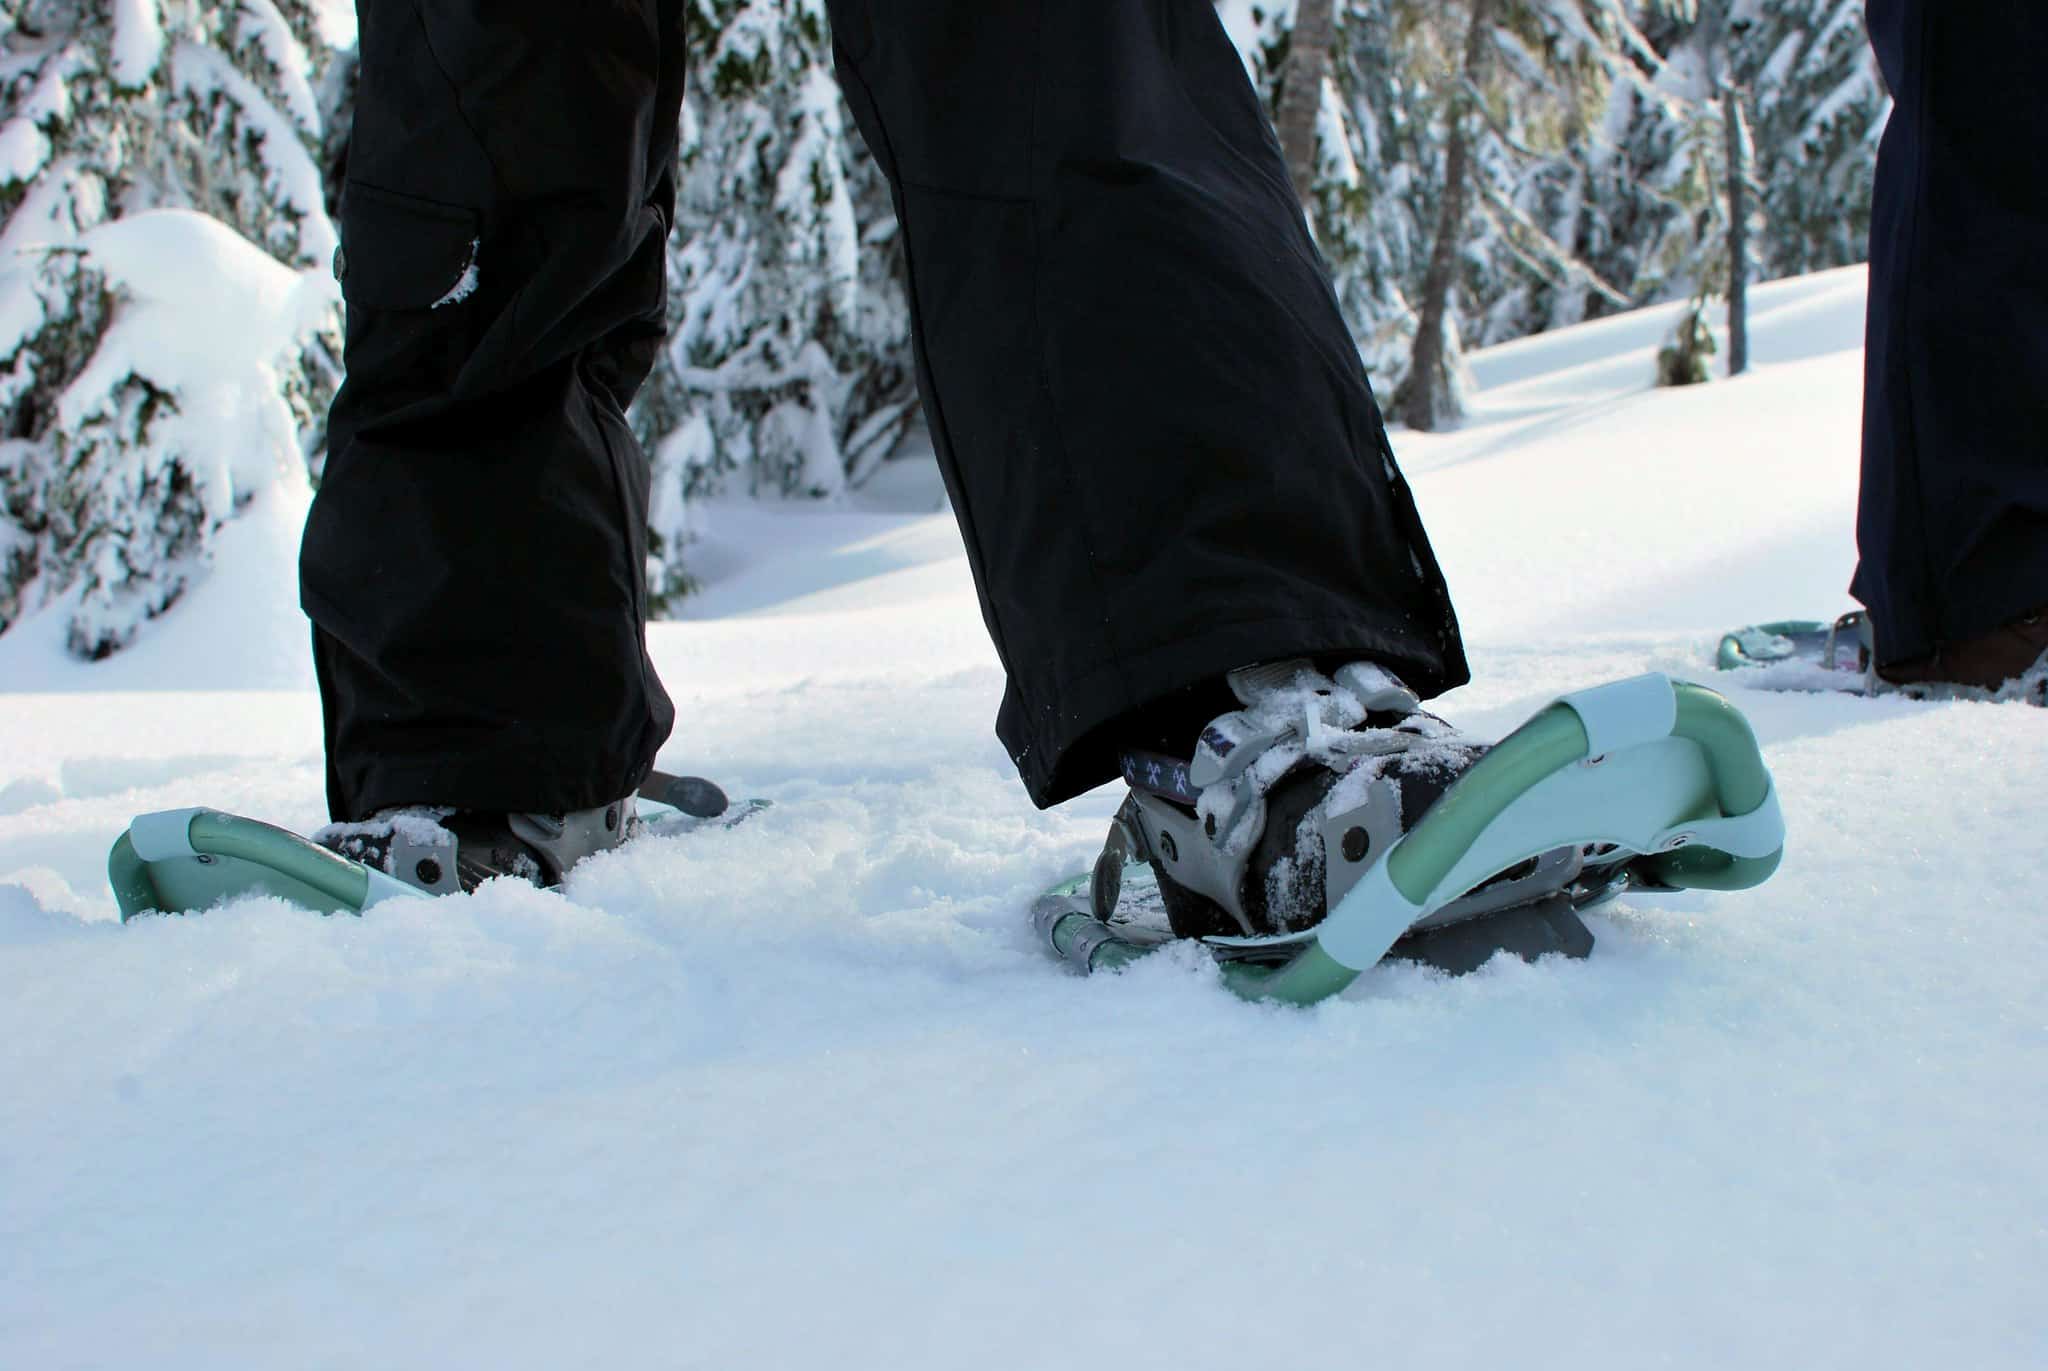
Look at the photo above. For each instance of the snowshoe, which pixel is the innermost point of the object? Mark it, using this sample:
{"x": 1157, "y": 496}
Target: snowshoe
{"x": 1841, "y": 647}
{"x": 1642, "y": 783}
{"x": 1814, "y": 655}
{"x": 1287, "y": 798}
{"x": 182, "y": 861}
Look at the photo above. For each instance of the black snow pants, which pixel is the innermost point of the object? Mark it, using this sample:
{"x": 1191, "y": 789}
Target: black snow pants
{"x": 475, "y": 563}
{"x": 1952, "y": 525}
{"x": 1153, "y": 423}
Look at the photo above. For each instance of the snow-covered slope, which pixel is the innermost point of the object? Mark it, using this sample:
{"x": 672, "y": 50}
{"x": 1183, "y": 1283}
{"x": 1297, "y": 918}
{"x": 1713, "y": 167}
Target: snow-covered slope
{"x": 805, "y": 1094}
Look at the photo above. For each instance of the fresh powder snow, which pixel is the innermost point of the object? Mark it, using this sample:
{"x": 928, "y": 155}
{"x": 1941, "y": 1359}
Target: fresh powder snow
{"x": 806, "y": 1093}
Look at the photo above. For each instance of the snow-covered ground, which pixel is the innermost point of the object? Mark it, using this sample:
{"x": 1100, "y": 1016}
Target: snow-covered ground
{"x": 805, "y": 1094}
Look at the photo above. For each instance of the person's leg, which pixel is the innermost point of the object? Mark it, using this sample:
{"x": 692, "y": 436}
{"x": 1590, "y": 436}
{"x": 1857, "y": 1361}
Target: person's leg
{"x": 474, "y": 562}
{"x": 1153, "y": 422}
{"x": 1952, "y": 524}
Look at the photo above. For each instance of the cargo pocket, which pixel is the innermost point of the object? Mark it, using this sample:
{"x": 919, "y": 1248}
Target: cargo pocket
{"x": 409, "y": 269}
{"x": 400, "y": 252}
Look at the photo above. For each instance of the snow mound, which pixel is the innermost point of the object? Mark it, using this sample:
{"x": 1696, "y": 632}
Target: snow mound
{"x": 204, "y": 300}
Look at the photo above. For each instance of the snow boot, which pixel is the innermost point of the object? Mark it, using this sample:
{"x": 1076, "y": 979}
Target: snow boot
{"x": 1290, "y": 799}
{"x": 442, "y": 851}
{"x": 2011, "y": 661}
{"x": 2008, "y": 663}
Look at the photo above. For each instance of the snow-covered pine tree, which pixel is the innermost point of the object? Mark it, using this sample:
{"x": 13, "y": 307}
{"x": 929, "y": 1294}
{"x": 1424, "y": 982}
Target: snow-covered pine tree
{"x": 1596, "y": 156}
{"x": 1814, "y": 106}
{"x": 788, "y": 370}
{"x": 1660, "y": 227}
{"x": 1524, "y": 93}
{"x": 1587, "y": 185}
{"x": 1818, "y": 105}
{"x": 156, "y": 369}
{"x": 1429, "y": 397}
{"x": 1605, "y": 199}
{"x": 1370, "y": 181}
{"x": 1382, "y": 181}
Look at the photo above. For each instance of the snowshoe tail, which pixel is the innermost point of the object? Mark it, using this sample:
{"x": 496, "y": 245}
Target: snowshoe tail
{"x": 187, "y": 859}
{"x": 1659, "y": 785}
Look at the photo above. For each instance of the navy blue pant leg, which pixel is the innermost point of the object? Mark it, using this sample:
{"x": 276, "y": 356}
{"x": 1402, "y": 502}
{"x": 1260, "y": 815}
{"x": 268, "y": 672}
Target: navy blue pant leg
{"x": 1952, "y": 526}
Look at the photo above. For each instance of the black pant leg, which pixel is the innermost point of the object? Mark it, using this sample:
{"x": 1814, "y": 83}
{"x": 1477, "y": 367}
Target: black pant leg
{"x": 1952, "y": 523}
{"x": 1152, "y": 420}
{"x": 474, "y": 562}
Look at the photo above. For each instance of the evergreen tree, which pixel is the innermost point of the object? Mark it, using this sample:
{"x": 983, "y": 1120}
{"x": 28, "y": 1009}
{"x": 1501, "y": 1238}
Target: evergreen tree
{"x": 788, "y": 369}
{"x": 1547, "y": 195}
{"x": 1367, "y": 193}
{"x": 1811, "y": 106}
{"x": 1818, "y": 105}
{"x": 122, "y": 455}
{"x": 1428, "y": 398}
{"x": 1592, "y": 150}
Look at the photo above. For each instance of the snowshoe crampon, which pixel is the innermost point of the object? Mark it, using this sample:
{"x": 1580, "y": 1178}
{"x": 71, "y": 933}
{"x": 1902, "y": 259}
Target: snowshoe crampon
{"x": 1643, "y": 783}
{"x": 182, "y": 861}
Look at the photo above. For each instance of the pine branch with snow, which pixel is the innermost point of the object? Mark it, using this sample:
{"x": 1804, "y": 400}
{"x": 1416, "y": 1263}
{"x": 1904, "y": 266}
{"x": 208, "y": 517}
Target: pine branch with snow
{"x": 788, "y": 368}
{"x": 168, "y": 339}
{"x": 1819, "y": 106}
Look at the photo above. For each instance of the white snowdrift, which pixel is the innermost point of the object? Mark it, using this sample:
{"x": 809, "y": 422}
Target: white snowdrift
{"x": 206, "y": 316}
{"x": 205, "y": 320}
{"x": 806, "y": 1095}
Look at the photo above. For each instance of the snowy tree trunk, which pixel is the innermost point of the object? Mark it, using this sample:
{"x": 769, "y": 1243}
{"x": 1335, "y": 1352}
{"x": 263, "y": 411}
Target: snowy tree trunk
{"x": 1428, "y": 402}
{"x": 1738, "y": 230}
{"x": 1301, "y": 97}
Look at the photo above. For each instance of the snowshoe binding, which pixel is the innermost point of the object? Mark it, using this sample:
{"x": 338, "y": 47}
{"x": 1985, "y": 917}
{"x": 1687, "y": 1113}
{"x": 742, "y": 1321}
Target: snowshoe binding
{"x": 442, "y": 851}
{"x": 1331, "y": 822}
{"x": 185, "y": 860}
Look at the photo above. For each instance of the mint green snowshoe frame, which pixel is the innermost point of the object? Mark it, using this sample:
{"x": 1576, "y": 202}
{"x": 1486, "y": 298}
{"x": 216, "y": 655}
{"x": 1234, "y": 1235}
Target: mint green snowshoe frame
{"x": 1763, "y": 644}
{"x": 179, "y": 860}
{"x": 1666, "y": 770}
